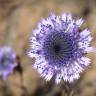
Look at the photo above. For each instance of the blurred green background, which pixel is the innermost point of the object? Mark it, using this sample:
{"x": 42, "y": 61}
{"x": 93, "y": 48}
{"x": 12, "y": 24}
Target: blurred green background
{"x": 17, "y": 20}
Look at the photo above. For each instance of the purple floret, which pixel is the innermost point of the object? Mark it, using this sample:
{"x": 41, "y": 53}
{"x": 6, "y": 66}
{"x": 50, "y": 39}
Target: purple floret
{"x": 59, "y": 47}
{"x": 7, "y": 61}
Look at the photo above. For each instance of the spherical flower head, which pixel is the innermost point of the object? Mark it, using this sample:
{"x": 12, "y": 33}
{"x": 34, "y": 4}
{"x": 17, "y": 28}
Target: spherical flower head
{"x": 59, "y": 47}
{"x": 7, "y": 61}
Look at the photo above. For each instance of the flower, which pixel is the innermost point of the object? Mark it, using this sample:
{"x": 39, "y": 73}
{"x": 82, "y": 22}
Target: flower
{"x": 59, "y": 47}
{"x": 7, "y": 61}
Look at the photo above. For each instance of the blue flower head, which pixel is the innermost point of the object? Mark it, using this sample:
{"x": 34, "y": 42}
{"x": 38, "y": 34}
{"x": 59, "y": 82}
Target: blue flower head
{"x": 7, "y": 61}
{"x": 59, "y": 47}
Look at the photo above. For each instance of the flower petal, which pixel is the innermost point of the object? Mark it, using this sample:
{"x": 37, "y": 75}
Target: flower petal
{"x": 58, "y": 78}
{"x": 79, "y": 22}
